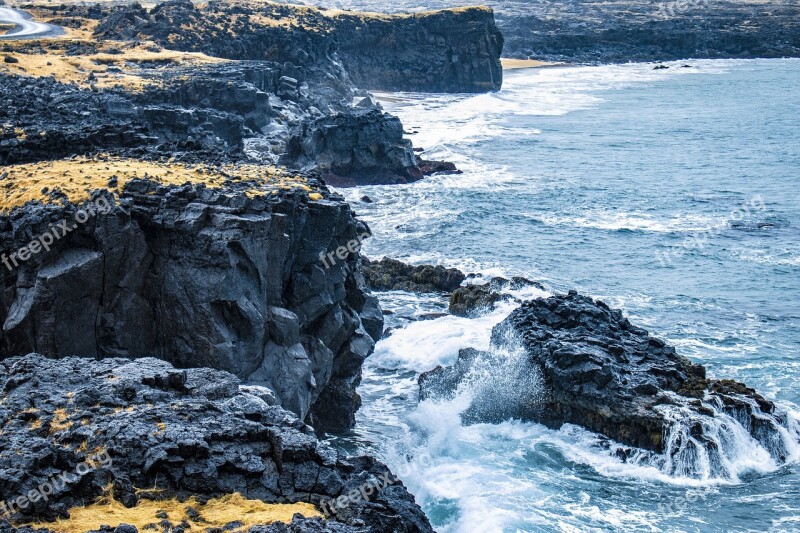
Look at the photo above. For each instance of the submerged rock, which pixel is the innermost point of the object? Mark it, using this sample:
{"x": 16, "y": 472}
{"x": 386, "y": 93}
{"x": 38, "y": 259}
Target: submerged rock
{"x": 577, "y": 361}
{"x": 474, "y": 299}
{"x": 144, "y": 429}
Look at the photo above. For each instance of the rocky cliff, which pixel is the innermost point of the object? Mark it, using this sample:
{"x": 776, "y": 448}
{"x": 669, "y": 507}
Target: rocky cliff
{"x": 454, "y": 50}
{"x": 143, "y": 437}
{"x": 225, "y": 271}
{"x": 446, "y": 51}
{"x": 594, "y": 31}
{"x": 257, "y": 83}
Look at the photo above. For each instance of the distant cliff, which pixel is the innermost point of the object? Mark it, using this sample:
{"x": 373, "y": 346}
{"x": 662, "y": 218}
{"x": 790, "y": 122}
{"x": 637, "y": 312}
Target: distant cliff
{"x": 455, "y": 50}
{"x": 599, "y": 31}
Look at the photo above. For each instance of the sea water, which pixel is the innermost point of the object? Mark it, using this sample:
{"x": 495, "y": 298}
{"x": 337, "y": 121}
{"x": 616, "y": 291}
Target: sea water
{"x": 673, "y": 194}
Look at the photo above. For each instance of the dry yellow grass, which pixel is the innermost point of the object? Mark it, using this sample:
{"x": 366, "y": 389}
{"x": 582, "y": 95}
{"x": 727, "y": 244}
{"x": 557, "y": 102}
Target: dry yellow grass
{"x": 110, "y": 70}
{"x": 217, "y": 513}
{"x": 78, "y": 178}
{"x": 60, "y": 421}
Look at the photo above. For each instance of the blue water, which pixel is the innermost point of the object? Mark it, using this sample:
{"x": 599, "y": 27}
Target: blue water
{"x": 585, "y": 177}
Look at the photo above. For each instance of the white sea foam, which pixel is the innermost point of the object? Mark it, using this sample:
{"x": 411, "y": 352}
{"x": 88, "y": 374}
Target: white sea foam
{"x": 423, "y": 345}
{"x": 616, "y": 221}
{"x": 523, "y": 476}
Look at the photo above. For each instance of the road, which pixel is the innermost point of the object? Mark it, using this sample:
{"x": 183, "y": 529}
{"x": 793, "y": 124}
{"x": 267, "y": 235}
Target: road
{"x": 24, "y": 27}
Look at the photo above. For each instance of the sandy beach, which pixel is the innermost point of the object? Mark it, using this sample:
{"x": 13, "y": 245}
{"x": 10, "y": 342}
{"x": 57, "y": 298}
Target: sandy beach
{"x": 515, "y": 64}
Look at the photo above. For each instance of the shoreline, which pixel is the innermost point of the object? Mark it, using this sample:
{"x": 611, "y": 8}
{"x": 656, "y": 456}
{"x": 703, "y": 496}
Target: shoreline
{"x": 509, "y": 63}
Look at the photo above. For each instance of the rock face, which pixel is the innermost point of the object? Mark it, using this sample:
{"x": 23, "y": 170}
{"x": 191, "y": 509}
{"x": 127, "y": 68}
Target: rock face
{"x": 597, "y": 31}
{"x": 441, "y": 51}
{"x": 354, "y": 148}
{"x": 585, "y": 364}
{"x": 393, "y": 275}
{"x": 202, "y": 278}
{"x": 447, "y": 51}
{"x": 177, "y": 433}
{"x": 208, "y": 109}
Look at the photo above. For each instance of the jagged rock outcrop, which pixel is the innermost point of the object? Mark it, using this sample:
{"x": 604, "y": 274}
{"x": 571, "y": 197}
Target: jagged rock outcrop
{"x": 393, "y": 275}
{"x": 201, "y": 277}
{"x": 144, "y": 429}
{"x": 53, "y": 120}
{"x": 214, "y": 108}
{"x": 583, "y": 363}
{"x": 44, "y": 119}
{"x": 445, "y": 51}
{"x": 354, "y": 148}
{"x": 302, "y": 116}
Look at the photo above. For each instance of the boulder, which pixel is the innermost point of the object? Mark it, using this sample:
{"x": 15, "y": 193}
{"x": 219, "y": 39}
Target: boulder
{"x": 474, "y": 299}
{"x": 350, "y": 149}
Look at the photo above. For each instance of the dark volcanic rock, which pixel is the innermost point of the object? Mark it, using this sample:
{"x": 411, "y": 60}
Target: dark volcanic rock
{"x": 301, "y": 116}
{"x": 595, "y": 31}
{"x": 599, "y": 371}
{"x": 437, "y": 167}
{"x": 179, "y": 433}
{"x": 446, "y": 51}
{"x": 50, "y": 120}
{"x": 442, "y": 382}
{"x": 474, "y": 299}
{"x": 392, "y": 275}
{"x": 442, "y": 51}
{"x": 215, "y": 107}
{"x": 201, "y": 278}
{"x": 349, "y": 149}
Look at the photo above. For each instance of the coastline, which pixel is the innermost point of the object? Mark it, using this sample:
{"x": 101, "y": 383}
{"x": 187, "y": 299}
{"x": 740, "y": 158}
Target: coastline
{"x": 509, "y": 63}
{"x": 225, "y": 270}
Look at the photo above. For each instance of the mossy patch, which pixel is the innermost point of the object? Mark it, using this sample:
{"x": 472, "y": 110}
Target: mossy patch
{"x": 232, "y": 510}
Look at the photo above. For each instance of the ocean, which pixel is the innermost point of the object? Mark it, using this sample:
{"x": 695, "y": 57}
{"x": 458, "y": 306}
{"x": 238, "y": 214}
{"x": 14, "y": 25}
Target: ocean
{"x": 673, "y": 194}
